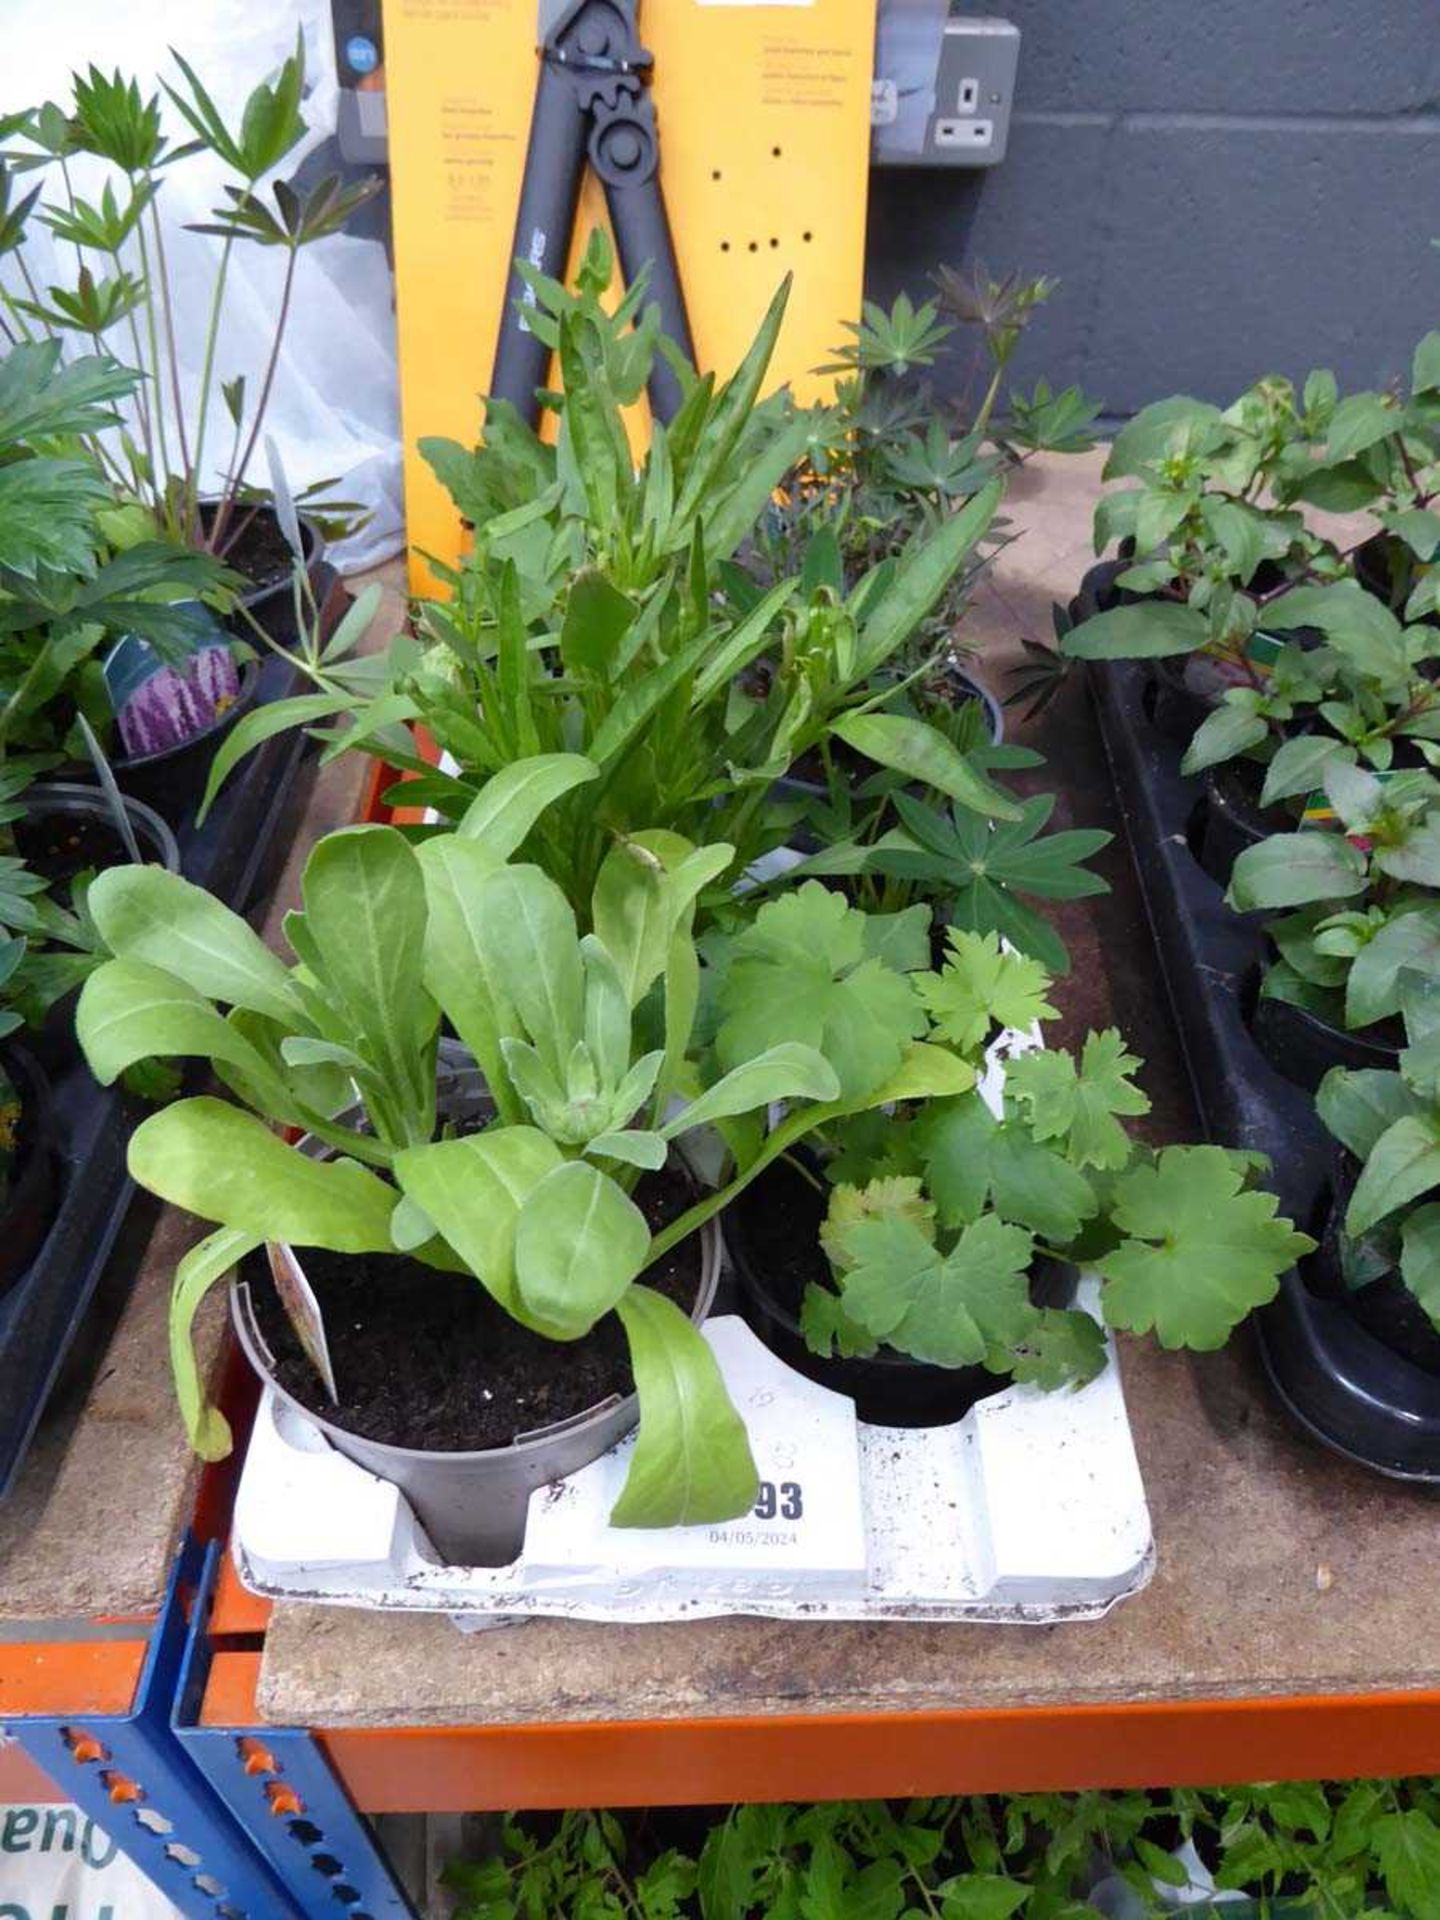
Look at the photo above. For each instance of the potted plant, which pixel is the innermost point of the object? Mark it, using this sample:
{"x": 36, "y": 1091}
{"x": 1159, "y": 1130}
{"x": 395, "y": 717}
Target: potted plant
{"x": 1380, "y": 1250}
{"x": 70, "y": 604}
{"x": 162, "y": 468}
{"x": 942, "y": 1255}
{"x": 544, "y": 1192}
{"x": 1361, "y": 922}
{"x": 587, "y": 617}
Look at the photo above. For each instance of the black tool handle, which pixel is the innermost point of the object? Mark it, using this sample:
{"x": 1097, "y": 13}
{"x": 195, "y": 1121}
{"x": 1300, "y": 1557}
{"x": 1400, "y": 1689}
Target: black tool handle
{"x": 642, "y": 235}
{"x": 554, "y": 164}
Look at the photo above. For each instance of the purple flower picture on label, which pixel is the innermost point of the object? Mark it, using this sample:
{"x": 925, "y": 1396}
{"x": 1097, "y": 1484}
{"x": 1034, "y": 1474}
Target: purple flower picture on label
{"x": 174, "y": 704}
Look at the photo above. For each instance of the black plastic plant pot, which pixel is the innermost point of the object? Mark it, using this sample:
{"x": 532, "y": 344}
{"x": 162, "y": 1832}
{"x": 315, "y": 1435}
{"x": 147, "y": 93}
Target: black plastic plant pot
{"x": 173, "y": 779}
{"x": 66, "y": 801}
{"x": 889, "y": 1388}
{"x": 1304, "y": 1047}
{"x": 271, "y": 603}
{"x": 1349, "y": 1389}
{"x": 1385, "y": 1307}
{"x": 1233, "y": 819}
{"x": 473, "y": 1505}
{"x": 29, "y": 1206}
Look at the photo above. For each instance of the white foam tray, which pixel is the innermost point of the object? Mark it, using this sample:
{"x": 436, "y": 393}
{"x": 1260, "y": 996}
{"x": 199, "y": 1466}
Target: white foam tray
{"x": 1030, "y": 1510}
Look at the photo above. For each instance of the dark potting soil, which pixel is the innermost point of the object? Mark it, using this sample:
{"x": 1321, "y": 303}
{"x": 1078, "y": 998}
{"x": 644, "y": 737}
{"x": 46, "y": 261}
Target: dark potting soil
{"x": 427, "y": 1359}
{"x": 783, "y": 1213}
{"x": 60, "y": 845}
{"x": 260, "y": 552}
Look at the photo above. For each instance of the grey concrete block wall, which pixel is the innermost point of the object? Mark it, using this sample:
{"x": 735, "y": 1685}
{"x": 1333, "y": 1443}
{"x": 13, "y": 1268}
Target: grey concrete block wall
{"x": 1223, "y": 190}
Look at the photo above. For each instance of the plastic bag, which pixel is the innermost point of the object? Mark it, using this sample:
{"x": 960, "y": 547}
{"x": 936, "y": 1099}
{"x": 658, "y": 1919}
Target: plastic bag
{"x": 334, "y": 411}
{"x": 53, "y": 1860}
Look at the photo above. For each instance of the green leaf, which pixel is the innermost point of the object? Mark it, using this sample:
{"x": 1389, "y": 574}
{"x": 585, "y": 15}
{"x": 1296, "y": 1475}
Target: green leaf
{"x": 147, "y": 914}
{"x": 1359, "y": 1104}
{"x": 1407, "y": 1847}
{"x": 982, "y": 986}
{"x": 1294, "y": 869}
{"x": 365, "y": 913}
{"x": 923, "y": 753}
{"x": 1149, "y": 630}
{"x": 1224, "y": 735}
{"x": 1078, "y": 1105}
{"x": 225, "y": 1165}
{"x": 473, "y": 1190}
{"x": 512, "y": 800}
{"x": 784, "y": 1072}
{"x": 1066, "y": 1349}
{"x": 207, "y": 1262}
{"x": 1375, "y": 987}
{"x": 1355, "y": 623}
{"x": 1199, "y": 1254}
{"x": 924, "y": 572}
{"x": 645, "y": 890}
{"x": 597, "y": 618}
{"x": 261, "y": 724}
{"x": 798, "y": 973}
{"x": 1360, "y": 420}
{"x": 1403, "y": 1164}
{"x": 457, "y": 966}
{"x": 692, "y": 1464}
{"x": 130, "y": 1011}
{"x": 528, "y": 934}
{"x": 1425, "y": 367}
{"x": 926, "y": 1073}
{"x": 636, "y": 1146}
{"x": 982, "y": 1896}
{"x": 950, "y": 1309}
{"x": 1298, "y": 766}
{"x": 579, "y": 1242}
{"x": 1420, "y": 1258}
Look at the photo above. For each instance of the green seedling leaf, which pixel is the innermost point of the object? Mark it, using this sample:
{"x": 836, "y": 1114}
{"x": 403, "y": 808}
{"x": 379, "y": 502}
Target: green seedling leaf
{"x": 579, "y": 1243}
{"x": 1295, "y": 869}
{"x": 1224, "y": 735}
{"x": 1420, "y": 1258}
{"x": 206, "y": 1263}
{"x": 982, "y": 986}
{"x": 1150, "y": 630}
{"x": 692, "y": 1464}
{"x": 261, "y": 724}
{"x": 923, "y": 753}
{"x": 512, "y": 800}
{"x": 1403, "y": 1164}
{"x": 225, "y": 1165}
{"x": 527, "y": 932}
{"x": 1200, "y": 1253}
{"x": 950, "y": 1310}
{"x": 1078, "y": 1105}
{"x": 147, "y": 914}
{"x": 1066, "y": 1349}
{"x": 130, "y": 1011}
{"x": 1407, "y": 1846}
{"x": 457, "y": 966}
{"x": 473, "y": 1189}
{"x": 1358, "y": 1105}
{"x": 784, "y": 1072}
{"x": 924, "y": 572}
{"x": 799, "y": 974}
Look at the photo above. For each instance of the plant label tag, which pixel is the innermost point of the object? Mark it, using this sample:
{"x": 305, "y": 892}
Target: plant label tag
{"x": 302, "y": 1310}
{"x": 805, "y": 1532}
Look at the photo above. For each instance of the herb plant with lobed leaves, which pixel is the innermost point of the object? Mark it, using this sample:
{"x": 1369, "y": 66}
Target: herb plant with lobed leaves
{"x": 938, "y": 1217}
{"x": 124, "y": 286}
{"x": 587, "y": 1044}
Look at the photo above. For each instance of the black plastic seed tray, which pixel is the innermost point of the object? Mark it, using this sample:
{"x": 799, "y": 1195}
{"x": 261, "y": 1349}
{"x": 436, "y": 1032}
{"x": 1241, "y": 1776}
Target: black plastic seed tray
{"x": 103, "y": 1224}
{"x": 1352, "y": 1391}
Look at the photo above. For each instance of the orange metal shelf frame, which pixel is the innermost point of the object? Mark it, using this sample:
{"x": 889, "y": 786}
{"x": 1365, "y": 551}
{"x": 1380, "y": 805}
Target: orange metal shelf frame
{"x": 874, "y": 1755}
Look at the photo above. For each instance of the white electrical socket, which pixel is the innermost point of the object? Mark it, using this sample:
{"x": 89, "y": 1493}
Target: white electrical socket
{"x": 976, "y": 134}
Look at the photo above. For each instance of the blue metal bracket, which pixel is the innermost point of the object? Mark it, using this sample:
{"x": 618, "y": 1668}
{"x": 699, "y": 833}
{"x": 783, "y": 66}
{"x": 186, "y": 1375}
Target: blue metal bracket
{"x": 279, "y": 1787}
{"x": 131, "y": 1777}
